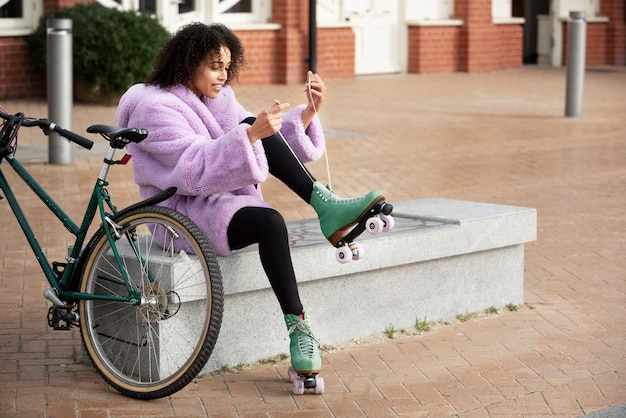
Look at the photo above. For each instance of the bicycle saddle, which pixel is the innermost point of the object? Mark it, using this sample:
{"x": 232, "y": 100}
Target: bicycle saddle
{"x": 112, "y": 133}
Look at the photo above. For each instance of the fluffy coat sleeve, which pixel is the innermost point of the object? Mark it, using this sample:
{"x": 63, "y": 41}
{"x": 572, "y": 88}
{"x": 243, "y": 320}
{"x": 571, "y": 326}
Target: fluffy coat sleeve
{"x": 186, "y": 146}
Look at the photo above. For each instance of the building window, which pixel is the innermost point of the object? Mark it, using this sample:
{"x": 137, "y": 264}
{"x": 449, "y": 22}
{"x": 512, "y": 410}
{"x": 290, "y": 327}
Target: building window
{"x": 501, "y": 9}
{"x": 429, "y": 9}
{"x": 10, "y": 9}
{"x": 186, "y": 6}
{"x": 328, "y": 11}
{"x": 241, "y": 11}
{"x": 235, "y": 6}
{"x": 175, "y": 13}
{"x": 19, "y": 17}
{"x": 147, "y": 6}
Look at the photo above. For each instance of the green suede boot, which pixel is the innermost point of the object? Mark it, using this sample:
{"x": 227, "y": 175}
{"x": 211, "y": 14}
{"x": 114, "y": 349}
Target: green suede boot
{"x": 337, "y": 215}
{"x": 304, "y": 348}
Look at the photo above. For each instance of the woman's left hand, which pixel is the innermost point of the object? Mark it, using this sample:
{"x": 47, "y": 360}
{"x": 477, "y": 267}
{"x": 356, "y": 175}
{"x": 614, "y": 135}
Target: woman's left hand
{"x": 315, "y": 89}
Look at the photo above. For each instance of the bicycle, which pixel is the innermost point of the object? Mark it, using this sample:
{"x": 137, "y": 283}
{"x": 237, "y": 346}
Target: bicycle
{"x": 145, "y": 290}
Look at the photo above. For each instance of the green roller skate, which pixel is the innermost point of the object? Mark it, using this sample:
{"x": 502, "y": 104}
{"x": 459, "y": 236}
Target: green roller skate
{"x": 306, "y": 361}
{"x": 343, "y": 220}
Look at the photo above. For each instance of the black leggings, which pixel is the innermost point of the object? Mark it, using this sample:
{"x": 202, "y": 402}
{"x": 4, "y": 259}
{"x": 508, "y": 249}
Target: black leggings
{"x": 266, "y": 226}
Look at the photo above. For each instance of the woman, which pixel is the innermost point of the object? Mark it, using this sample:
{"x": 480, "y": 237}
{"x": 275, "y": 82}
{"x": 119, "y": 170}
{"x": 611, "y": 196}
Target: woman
{"x": 201, "y": 140}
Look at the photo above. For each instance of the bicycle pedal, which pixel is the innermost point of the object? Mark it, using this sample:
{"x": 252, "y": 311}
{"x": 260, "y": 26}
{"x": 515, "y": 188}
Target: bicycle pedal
{"x": 60, "y": 317}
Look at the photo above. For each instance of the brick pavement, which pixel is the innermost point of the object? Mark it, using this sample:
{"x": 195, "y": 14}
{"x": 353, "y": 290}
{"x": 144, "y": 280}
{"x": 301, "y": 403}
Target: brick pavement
{"x": 498, "y": 137}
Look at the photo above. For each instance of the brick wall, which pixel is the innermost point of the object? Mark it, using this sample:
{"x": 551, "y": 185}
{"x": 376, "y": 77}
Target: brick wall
{"x": 510, "y": 46}
{"x": 335, "y": 53}
{"x": 291, "y": 57}
{"x": 17, "y": 76}
{"x": 616, "y": 31}
{"x": 57, "y": 4}
{"x": 596, "y": 43}
{"x": 433, "y": 49}
{"x": 261, "y": 56}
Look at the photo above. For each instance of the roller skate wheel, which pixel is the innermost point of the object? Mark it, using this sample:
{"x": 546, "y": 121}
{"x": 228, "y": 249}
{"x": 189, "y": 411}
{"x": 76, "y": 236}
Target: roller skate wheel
{"x": 388, "y": 221}
{"x": 298, "y": 387}
{"x": 343, "y": 254}
{"x": 360, "y": 252}
{"x": 374, "y": 225}
{"x": 319, "y": 386}
{"x": 292, "y": 375}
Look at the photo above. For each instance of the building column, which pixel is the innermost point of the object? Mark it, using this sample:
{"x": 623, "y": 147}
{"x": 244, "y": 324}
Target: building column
{"x": 292, "y": 40}
{"x": 478, "y": 38}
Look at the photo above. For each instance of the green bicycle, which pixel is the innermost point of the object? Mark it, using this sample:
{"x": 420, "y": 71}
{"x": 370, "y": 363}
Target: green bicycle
{"x": 145, "y": 289}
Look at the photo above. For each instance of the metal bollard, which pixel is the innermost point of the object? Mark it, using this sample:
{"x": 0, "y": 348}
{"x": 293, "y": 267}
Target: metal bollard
{"x": 60, "y": 89}
{"x": 576, "y": 44}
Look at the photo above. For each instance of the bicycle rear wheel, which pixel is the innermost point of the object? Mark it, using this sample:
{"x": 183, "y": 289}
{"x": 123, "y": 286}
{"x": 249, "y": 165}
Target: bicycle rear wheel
{"x": 154, "y": 346}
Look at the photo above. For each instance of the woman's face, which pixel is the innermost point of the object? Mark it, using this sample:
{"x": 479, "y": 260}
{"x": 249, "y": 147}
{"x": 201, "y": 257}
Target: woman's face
{"x": 211, "y": 75}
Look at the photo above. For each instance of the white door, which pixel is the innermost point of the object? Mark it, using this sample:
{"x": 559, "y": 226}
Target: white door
{"x": 376, "y": 28}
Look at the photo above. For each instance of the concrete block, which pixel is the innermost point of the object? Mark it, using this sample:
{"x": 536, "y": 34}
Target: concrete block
{"x": 443, "y": 258}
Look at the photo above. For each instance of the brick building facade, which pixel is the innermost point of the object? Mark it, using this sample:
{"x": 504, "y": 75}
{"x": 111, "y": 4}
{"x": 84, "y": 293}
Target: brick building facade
{"x": 470, "y": 41}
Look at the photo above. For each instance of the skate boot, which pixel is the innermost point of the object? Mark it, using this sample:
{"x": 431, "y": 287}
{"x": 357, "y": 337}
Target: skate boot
{"x": 305, "y": 355}
{"x": 337, "y": 215}
{"x": 306, "y": 361}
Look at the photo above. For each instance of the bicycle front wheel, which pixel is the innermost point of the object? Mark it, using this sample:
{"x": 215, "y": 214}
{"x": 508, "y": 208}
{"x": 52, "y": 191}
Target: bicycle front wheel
{"x": 156, "y": 344}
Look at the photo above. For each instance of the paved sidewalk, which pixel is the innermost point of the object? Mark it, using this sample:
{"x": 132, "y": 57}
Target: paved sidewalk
{"x": 498, "y": 138}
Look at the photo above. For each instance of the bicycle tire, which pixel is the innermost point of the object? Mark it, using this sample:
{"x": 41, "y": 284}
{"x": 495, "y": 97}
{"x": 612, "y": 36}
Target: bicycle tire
{"x": 154, "y": 348}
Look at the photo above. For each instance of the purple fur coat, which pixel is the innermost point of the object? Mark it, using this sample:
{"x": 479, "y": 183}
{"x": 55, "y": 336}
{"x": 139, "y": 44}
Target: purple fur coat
{"x": 200, "y": 147}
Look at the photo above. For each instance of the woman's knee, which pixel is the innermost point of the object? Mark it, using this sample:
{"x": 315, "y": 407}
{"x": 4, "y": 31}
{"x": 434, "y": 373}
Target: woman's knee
{"x": 273, "y": 221}
{"x": 257, "y": 222}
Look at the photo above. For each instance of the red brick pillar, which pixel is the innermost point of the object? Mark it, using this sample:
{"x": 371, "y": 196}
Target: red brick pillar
{"x": 478, "y": 38}
{"x": 49, "y": 5}
{"x": 616, "y": 31}
{"x": 292, "y": 41}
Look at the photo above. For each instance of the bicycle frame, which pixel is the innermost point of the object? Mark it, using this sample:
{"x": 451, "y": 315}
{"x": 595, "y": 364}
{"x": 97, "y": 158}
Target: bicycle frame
{"x": 148, "y": 314}
{"x": 99, "y": 198}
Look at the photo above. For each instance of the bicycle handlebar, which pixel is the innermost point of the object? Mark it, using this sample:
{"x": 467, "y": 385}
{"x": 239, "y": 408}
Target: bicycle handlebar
{"x": 48, "y": 127}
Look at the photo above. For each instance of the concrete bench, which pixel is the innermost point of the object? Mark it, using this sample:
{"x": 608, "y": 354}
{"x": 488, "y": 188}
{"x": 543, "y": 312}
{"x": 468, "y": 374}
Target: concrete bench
{"x": 443, "y": 258}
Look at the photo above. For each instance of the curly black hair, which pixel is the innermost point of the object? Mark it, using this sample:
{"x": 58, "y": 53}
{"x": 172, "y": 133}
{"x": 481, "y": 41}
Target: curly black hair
{"x": 190, "y": 47}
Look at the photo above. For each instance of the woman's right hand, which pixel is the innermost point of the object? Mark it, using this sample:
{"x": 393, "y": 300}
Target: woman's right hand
{"x": 268, "y": 122}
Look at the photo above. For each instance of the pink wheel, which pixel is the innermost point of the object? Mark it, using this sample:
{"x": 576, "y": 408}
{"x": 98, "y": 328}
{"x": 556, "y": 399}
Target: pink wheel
{"x": 374, "y": 225}
{"x": 388, "y": 221}
{"x": 298, "y": 387}
{"x": 291, "y": 374}
{"x": 319, "y": 386}
{"x": 343, "y": 254}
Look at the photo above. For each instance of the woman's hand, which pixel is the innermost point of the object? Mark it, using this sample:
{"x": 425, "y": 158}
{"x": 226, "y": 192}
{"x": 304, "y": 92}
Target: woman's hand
{"x": 268, "y": 122}
{"x": 315, "y": 89}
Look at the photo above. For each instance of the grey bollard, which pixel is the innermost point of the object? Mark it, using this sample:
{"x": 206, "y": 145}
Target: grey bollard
{"x": 576, "y": 44}
{"x": 60, "y": 89}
